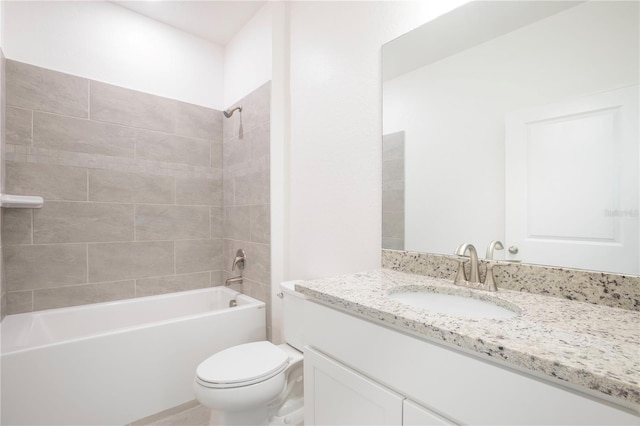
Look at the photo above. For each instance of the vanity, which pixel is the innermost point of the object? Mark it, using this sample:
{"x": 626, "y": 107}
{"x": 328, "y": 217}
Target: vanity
{"x": 498, "y": 129}
{"x": 373, "y": 359}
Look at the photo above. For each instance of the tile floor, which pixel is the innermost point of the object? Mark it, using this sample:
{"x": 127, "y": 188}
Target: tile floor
{"x": 188, "y": 414}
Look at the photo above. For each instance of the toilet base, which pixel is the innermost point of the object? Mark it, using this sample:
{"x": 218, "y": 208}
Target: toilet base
{"x": 291, "y": 418}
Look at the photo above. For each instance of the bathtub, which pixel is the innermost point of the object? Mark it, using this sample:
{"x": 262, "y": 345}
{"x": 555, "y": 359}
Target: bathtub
{"x": 117, "y": 362}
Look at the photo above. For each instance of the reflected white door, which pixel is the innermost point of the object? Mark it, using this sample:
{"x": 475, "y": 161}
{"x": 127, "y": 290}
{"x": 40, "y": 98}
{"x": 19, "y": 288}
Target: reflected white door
{"x": 572, "y": 183}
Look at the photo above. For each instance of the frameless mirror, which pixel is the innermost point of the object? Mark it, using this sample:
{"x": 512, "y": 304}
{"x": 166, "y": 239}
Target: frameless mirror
{"x": 517, "y": 122}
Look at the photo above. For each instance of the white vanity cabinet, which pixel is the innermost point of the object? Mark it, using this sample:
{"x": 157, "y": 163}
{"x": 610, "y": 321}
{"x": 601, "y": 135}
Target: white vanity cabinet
{"x": 359, "y": 372}
{"x": 416, "y": 415}
{"x": 343, "y": 397}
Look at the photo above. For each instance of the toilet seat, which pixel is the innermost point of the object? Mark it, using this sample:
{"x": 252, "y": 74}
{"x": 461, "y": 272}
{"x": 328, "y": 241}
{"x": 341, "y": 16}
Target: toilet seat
{"x": 242, "y": 365}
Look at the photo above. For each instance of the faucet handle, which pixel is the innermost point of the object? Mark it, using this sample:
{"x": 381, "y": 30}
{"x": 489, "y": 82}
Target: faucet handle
{"x": 461, "y": 274}
{"x": 239, "y": 260}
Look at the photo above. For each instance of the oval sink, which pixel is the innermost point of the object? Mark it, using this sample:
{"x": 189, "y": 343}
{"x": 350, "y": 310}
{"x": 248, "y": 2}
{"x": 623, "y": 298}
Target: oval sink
{"x": 449, "y": 304}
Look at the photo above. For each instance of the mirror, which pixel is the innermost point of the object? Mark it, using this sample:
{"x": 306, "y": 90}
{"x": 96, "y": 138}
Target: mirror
{"x": 517, "y": 122}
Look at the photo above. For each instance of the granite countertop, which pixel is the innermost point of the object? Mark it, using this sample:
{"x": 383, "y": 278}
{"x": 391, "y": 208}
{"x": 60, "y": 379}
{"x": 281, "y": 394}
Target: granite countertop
{"x": 589, "y": 345}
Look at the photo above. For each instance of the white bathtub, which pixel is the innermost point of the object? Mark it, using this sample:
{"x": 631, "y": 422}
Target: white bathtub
{"x": 114, "y": 363}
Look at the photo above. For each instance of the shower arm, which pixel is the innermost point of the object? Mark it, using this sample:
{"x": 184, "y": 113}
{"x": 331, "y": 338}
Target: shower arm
{"x": 228, "y": 113}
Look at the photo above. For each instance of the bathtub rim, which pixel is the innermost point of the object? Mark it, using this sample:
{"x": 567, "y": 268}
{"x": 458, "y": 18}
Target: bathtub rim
{"x": 251, "y": 303}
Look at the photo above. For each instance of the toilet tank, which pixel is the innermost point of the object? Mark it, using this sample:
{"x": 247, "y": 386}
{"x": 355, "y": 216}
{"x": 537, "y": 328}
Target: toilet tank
{"x": 292, "y": 314}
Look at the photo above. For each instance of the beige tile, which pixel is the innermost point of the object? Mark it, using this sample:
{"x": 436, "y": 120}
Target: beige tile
{"x": 393, "y": 196}
{"x": 256, "y": 290}
{"x": 19, "y": 302}
{"x": 41, "y": 89}
{"x": 237, "y": 223}
{"x": 216, "y": 155}
{"x": 44, "y": 266}
{"x": 120, "y": 261}
{"x": 393, "y": 170}
{"x": 261, "y": 223}
{"x": 149, "y": 420}
{"x": 392, "y": 224}
{"x": 46, "y": 180}
{"x": 124, "y": 187}
{"x": 393, "y": 243}
{"x": 199, "y": 191}
{"x": 260, "y": 139}
{"x": 61, "y": 297}
{"x": 217, "y": 222}
{"x": 393, "y": 146}
{"x": 157, "y": 222}
{"x": 198, "y": 255}
{"x": 171, "y": 284}
{"x": 79, "y": 135}
{"x": 252, "y": 188}
{"x": 71, "y": 222}
{"x": 188, "y": 414}
{"x": 199, "y": 122}
{"x": 118, "y": 105}
{"x": 172, "y": 149}
{"x": 236, "y": 153}
{"x": 228, "y": 192}
{"x": 16, "y": 226}
{"x": 217, "y": 278}
{"x": 19, "y": 126}
{"x": 258, "y": 107}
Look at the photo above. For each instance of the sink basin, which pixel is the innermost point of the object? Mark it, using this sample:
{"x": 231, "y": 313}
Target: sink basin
{"x": 457, "y": 305}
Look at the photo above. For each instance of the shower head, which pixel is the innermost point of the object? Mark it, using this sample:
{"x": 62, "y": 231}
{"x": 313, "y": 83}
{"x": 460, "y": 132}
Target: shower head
{"x": 228, "y": 113}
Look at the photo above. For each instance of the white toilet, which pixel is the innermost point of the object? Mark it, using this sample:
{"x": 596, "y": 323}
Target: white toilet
{"x": 258, "y": 383}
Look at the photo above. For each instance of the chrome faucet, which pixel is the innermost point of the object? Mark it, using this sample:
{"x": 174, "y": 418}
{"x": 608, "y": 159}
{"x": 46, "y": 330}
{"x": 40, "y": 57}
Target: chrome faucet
{"x": 239, "y": 262}
{"x": 474, "y": 276}
{"x": 489, "y": 280}
{"x": 493, "y": 245}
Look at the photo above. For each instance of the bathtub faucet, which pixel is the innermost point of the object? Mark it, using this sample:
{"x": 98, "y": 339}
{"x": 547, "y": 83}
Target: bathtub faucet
{"x": 234, "y": 280}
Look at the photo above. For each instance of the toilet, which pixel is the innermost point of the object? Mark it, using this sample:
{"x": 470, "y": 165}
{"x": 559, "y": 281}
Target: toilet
{"x": 258, "y": 383}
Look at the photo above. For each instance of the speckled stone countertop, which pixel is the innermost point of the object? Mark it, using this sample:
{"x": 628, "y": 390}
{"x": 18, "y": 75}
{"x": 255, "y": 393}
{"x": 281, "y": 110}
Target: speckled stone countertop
{"x": 589, "y": 345}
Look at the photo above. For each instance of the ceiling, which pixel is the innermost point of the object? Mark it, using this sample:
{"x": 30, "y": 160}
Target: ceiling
{"x": 216, "y": 20}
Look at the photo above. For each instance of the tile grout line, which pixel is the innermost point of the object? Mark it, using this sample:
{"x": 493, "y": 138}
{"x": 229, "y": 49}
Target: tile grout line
{"x": 89, "y": 99}
{"x": 87, "y": 261}
{"x": 135, "y": 209}
{"x": 31, "y": 144}
{"x": 32, "y": 228}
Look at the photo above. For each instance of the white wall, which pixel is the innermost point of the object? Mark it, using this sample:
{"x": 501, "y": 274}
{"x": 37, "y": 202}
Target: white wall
{"x": 335, "y": 173}
{"x": 105, "y": 42}
{"x": 2, "y": 24}
{"x": 280, "y": 108}
{"x": 247, "y": 57}
{"x": 453, "y": 113}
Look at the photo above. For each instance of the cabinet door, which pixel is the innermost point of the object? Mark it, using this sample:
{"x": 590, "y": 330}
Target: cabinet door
{"x": 337, "y": 395}
{"x": 416, "y": 415}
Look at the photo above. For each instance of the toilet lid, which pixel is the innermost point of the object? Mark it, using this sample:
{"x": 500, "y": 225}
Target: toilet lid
{"x": 242, "y": 365}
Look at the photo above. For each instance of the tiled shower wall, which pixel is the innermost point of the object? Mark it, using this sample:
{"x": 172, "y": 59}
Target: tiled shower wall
{"x": 3, "y": 287}
{"x": 132, "y": 184}
{"x": 246, "y": 193}
{"x": 393, "y": 191}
